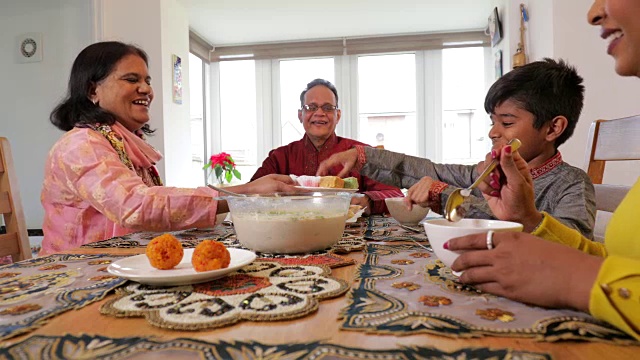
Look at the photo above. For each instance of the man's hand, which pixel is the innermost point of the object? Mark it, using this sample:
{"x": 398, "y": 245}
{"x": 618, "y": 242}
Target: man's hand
{"x": 364, "y": 202}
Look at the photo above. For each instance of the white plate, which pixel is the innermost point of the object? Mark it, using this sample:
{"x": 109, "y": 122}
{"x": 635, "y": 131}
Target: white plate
{"x": 326, "y": 189}
{"x": 137, "y": 268}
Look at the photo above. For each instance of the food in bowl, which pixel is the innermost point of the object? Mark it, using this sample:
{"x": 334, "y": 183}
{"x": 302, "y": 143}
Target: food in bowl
{"x": 286, "y": 224}
{"x": 326, "y": 181}
{"x": 440, "y": 231}
{"x": 164, "y": 252}
{"x": 210, "y": 255}
{"x": 398, "y": 211}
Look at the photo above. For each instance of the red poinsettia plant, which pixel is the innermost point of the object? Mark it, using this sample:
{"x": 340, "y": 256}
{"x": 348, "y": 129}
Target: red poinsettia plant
{"x": 223, "y": 167}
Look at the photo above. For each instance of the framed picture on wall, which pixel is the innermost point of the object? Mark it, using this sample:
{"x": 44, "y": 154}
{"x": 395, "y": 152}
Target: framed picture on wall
{"x": 495, "y": 27}
{"x": 177, "y": 79}
{"x": 498, "y": 63}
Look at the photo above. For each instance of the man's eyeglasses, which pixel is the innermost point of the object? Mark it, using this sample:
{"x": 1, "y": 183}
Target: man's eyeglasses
{"x": 325, "y": 108}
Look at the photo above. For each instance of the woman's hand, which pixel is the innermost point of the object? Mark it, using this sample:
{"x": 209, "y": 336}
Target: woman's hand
{"x": 526, "y": 268}
{"x": 267, "y": 185}
{"x": 419, "y": 193}
{"x": 347, "y": 159}
{"x": 509, "y": 189}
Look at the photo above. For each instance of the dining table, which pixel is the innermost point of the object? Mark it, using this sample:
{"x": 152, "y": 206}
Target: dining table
{"x": 379, "y": 293}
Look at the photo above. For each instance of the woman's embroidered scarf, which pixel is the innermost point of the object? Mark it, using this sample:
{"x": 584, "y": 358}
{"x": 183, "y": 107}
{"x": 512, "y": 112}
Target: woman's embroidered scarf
{"x": 133, "y": 151}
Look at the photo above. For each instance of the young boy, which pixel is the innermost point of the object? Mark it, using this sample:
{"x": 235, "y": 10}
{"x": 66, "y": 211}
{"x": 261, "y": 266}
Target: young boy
{"x": 538, "y": 103}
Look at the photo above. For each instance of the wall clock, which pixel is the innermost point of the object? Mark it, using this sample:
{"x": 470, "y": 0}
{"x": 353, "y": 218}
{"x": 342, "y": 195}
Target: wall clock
{"x": 29, "y": 47}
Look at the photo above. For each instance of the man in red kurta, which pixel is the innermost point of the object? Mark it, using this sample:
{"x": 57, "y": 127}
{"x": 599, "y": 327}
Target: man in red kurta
{"x": 319, "y": 115}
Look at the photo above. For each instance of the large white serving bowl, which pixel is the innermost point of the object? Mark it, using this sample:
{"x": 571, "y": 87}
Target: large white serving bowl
{"x": 440, "y": 231}
{"x": 287, "y": 224}
{"x": 398, "y": 211}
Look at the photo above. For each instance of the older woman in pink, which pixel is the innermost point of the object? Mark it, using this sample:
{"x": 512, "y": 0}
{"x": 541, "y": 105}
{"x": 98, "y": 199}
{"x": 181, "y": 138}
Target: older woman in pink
{"x": 100, "y": 179}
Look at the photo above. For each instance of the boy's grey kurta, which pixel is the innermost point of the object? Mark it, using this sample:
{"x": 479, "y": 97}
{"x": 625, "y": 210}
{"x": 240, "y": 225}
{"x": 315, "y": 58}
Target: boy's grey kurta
{"x": 564, "y": 191}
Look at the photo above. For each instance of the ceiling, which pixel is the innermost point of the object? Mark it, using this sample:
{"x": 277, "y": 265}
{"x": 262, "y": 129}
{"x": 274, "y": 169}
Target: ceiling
{"x": 233, "y": 22}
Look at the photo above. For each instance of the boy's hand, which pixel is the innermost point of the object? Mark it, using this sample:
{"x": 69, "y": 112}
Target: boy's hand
{"x": 509, "y": 190}
{"x": 419, "y": 193}
{"x": 347, "y": 159}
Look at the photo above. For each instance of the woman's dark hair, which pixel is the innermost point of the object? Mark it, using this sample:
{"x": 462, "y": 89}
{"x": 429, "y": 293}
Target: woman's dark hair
{"x": 91, "y": 66}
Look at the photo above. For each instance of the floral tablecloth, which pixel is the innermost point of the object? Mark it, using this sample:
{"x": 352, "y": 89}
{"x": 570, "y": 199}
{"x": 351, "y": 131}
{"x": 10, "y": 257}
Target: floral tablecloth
{"x": 351, "y": 241}
{"x": 100, "y": 347}
{"x": 385, "y": 228}
{"x": 404, "y": 290}
{"x": 34, "y": 290}
{"x": 262, "y": 291}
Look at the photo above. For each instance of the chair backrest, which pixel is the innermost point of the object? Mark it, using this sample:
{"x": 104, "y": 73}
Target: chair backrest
{"x": 15, "y": 241}
{"x": 610, "y": 140}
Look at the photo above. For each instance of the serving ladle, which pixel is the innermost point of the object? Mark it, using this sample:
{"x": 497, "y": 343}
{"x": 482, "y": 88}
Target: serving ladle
{"x": 453, "y": 209}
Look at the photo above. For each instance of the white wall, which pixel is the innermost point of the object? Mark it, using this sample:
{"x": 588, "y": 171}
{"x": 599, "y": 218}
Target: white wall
{"x": 608, "y": 95}
{"x": 559, "y": 29}
{"x": 30, "y": 91}
{"x": 177, "y": 126}
{"x": 161, "y": 28}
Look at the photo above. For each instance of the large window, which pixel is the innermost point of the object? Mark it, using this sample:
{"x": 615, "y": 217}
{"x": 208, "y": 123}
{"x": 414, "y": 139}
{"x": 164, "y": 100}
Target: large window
{"x": 238, "y": 125}
{"x": 424, "y": 103}
{"x": 387, "y": 102}
{"x": 465, "y": 124}
{"x": 196, "y": 110}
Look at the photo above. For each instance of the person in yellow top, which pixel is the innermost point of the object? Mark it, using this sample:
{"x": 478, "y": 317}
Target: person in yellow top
{"x": 539, "y": 268}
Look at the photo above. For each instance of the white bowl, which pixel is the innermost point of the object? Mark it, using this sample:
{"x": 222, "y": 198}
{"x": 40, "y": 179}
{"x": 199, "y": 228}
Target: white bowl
{"x": 398, "y": 211}
{"x": 287, "y": 224}
{"x": 440, "y": 231}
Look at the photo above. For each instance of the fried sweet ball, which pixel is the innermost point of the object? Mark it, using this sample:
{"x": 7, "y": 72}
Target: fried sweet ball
{"x": 164, "y": 252}
{"x": 210, "y": 255}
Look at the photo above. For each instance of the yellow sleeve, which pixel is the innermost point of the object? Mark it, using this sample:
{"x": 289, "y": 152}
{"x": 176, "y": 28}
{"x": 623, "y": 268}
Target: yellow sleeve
{"x": 615, "y": 296}
{"x": 555, "y": 231}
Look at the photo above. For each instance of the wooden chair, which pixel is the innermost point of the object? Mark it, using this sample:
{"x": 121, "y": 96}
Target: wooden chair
{"x": 610, "y": 140}
{"x": 15, "y": 241}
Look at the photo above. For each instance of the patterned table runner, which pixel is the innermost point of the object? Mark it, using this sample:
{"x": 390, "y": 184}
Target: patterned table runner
{"x": 404, "y": 290}
{"x": 351, "y": 241}
{"x": 35, "y": 290}
{"x": 262, "y": 291}
{"x": 383, "y": 228}
{"x": 100, "y": 347}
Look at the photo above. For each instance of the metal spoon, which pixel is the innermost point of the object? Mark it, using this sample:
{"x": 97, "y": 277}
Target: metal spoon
{"x": 453, "y": 209}
{"x": 225, "y": 191}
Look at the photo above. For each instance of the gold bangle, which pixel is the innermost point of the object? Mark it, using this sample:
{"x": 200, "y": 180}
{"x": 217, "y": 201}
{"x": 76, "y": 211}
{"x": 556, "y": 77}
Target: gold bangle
{"x": 539, "y": 224}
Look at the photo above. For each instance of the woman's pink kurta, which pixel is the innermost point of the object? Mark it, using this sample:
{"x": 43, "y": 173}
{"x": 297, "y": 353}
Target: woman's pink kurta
{"x": 89, "y": 195}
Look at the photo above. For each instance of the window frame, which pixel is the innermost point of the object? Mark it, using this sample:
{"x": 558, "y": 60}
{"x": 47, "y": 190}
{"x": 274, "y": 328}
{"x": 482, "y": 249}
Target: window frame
{"x": 428, "y": 101}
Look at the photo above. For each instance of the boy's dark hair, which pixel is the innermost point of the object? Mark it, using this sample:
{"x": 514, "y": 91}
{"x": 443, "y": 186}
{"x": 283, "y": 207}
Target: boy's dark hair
{"x": 314, "y": 83}
{"x": 546, "y": 88}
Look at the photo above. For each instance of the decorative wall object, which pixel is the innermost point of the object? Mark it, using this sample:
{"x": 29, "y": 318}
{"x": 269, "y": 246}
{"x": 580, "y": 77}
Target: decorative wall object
{"x": 495, "y": 27}
{"x": 520, "y": 57}
{"x": 177, "y": 79}
{"x": 29, "y": 47}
